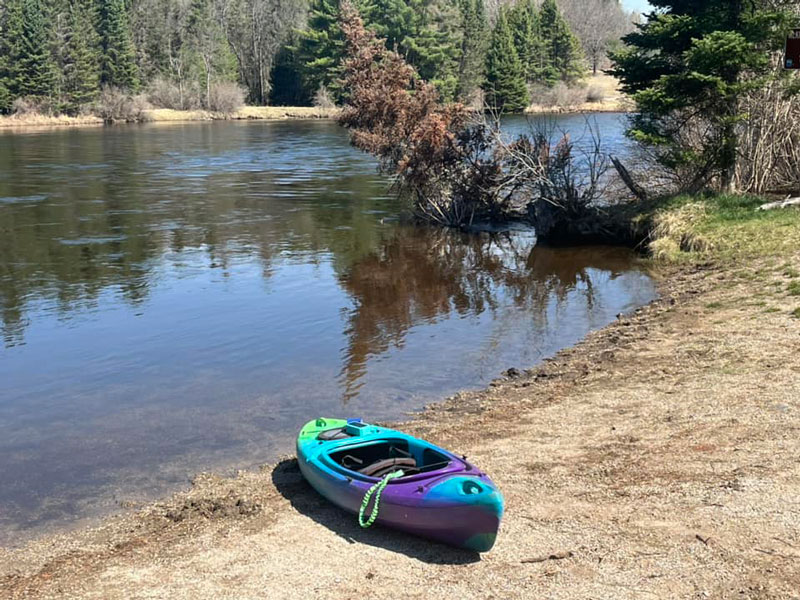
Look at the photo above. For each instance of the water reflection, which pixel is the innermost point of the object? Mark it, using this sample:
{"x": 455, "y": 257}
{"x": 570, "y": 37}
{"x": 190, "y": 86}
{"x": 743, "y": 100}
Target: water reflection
{"x": 422, "y": 275}
{"x": 178, "y": 298}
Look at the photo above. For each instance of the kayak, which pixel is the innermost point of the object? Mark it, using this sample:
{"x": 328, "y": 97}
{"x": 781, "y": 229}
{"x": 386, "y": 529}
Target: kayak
{"x": 409, "y": 484}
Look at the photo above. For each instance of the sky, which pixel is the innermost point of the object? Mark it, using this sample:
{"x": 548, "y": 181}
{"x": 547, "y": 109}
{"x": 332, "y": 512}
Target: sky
{"x": 640, "y": 5}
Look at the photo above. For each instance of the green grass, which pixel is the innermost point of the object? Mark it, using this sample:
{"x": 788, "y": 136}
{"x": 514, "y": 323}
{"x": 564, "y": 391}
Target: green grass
{"x": 796, "y": 313}
{"x": 721, "y": 227}
{"x": 714, "y": 305}
{"x": 794, "y": 288}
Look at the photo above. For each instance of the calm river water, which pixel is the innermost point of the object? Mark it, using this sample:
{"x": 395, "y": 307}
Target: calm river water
{"x": 176, "y": 298}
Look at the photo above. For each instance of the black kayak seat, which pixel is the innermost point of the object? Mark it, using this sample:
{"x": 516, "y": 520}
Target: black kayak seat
{"x": 388, "y": 465}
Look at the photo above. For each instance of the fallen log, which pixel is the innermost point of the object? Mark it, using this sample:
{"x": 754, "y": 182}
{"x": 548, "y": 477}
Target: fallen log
{"x": 780, "y": 204}
{"x": 627, "y": 178}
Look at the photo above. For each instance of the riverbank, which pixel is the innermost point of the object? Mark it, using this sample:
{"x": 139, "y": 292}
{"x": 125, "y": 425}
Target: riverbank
{"x": 164, "y": 115}
{"x": 609, "y": 99}
{"x": 657, "y": 458}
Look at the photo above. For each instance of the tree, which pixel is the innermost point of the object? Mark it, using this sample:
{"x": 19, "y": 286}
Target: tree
{"x": 599, "y": 25}
{"x": 320, "y": 49}
{"x": 562, "y": 49}
{"x": 11, "y": 26}
{"x": 256, "y": 30}
{"x": 81, "y": 68}
{"x": 505, "y": 76}
{"x": 688, "y": 68}
{"x": 119, "y": 55}
{"x": 207, "y": 40}
{"x": 523, "y": 20}
{"x": 474, "y": 42}
{"x": 35, "y": 74}
{"x": 423, "y": 32}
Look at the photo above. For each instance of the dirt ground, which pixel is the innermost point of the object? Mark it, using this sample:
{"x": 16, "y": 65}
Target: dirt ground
{"x": 657, "y": 459}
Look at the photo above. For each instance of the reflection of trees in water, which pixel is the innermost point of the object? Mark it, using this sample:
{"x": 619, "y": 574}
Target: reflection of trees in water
{"x": 112, "y": 232}
{"x": 422, "y": 274}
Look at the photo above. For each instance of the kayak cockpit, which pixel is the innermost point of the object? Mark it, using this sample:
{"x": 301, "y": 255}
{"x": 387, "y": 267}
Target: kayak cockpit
{"x": 378, "y": 458}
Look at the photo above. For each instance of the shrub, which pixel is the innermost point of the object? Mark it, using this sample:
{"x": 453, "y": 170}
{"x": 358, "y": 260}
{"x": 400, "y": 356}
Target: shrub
{"x": 117, "y": 106}
{"x": 323, "y": 98}
{"x": 225, "y": 97}
{"x": 560, "y": 95}
{"x": 164, "y": 93}
{"x": 30, "y": 105}
{"x": 595, "y": 94}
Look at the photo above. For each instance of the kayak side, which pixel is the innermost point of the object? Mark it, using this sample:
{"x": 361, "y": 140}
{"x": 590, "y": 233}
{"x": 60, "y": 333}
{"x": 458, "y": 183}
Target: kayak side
{"x": 459, "y": 507}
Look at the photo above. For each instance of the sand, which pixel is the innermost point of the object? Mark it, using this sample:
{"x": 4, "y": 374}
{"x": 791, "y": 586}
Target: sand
{"x": 656, "y": 459}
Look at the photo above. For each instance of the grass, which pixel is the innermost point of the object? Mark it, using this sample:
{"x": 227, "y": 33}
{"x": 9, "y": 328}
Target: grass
{"x": 796, "y": 313}
{"x": 794, "y": 288}
{"x": 721, "y": 227}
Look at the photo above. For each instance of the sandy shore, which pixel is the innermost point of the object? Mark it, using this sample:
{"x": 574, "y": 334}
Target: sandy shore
{"x": 658, "y": 459}
{"x": 164, "y": 115}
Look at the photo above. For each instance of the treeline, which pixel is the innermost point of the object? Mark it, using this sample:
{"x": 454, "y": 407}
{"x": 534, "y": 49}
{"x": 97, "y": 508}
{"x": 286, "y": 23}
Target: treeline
{"x": 58, "y": 56}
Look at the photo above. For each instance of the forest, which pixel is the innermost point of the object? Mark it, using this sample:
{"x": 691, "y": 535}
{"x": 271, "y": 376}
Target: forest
{"x": 69, "y": 56}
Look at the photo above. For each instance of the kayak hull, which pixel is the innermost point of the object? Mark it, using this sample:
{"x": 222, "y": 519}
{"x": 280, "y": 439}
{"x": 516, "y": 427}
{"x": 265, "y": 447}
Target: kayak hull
{"x": 455, "y": 504}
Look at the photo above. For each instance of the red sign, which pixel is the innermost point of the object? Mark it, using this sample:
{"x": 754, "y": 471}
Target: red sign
{"x": 793, "y": 50}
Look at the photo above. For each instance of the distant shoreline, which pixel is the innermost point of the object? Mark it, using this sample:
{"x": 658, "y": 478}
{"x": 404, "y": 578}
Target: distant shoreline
{"x": 35, "y": 122}
{"x": 164, "y": 115}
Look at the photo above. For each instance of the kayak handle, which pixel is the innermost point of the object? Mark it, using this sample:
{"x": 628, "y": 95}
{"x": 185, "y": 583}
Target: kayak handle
{"x": 376, "y": 489}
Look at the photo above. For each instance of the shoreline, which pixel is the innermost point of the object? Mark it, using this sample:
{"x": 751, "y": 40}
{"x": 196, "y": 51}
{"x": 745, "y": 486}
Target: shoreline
{"x": 25, "y": 123}
{"x": 30, "y": 123}
{"x": 649, "y": 448}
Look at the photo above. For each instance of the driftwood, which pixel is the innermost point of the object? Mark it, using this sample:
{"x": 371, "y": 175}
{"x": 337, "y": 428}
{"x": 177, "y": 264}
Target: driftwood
{"x": 780, "y": 204}
{"x": 626, "y": 177}
{"x": 546, "y": 557}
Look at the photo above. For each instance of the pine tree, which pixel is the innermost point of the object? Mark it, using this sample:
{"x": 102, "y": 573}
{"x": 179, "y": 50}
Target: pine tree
{"x": 505, "y": 76}
{"x": 81, "y": 69}
{"x": 562, "y": 48}
{"x": 119, "y": 55}
{"x": 35, "y": 73}
{"x": 321, "y": 50}
{"x": 522, "y": 21}
{"x": 434, "y": 46}
{"x": 424, "y": 32}
{"x": 11, "y": 25}
{"x": 699, "y": 58}
{"x": 472, "y": 68}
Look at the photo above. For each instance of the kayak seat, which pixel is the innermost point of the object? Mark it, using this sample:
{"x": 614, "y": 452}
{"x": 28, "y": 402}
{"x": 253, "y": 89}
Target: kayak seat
{"x": 388, "y": 465}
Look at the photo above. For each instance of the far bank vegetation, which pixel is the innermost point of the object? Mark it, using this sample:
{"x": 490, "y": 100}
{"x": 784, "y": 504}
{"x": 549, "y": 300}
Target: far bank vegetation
{"x": 79, "y": 57}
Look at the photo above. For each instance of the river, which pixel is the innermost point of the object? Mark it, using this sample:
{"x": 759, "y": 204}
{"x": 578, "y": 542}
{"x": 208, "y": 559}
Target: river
{"x": 177, "y": 298}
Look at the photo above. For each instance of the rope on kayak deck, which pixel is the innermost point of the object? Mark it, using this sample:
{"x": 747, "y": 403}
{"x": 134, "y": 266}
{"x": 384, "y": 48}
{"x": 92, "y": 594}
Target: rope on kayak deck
{"x": 376, "y": 489}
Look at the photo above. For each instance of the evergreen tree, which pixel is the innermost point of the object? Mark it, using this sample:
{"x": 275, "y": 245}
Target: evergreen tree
{"x": 522, "y": 21}
{"x": 505, "y": 76}
{"x": 11, "y": 25}
{"x": 81, "y": 69}
{"x": 119, "y": 56}
{"x": 320, "y": 49}
{"x": 425, "y": 32}
{"x": 562, "y": 49}
{"x": 35, "y": 73}
{"x": 435, "y": 46}
{"x": 698, "y": 58}
{"x": 472, "y": 67}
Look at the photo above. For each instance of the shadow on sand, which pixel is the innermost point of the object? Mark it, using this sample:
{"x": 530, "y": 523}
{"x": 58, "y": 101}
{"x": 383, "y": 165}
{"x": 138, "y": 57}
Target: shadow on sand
{"x": 292, "y": 485}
